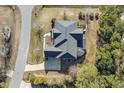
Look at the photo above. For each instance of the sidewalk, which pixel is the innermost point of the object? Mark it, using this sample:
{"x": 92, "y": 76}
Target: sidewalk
{"x": 25, "y": 85}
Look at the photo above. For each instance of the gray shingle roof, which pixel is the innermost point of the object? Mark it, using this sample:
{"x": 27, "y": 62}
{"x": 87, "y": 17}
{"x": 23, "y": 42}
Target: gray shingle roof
{"x": 51, "y": 48}
{"x": 65, "y": 23}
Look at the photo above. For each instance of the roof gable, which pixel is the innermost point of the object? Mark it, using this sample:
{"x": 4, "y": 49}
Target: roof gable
{"x": 67, "y": 55}
{"x": 65, "y": 23}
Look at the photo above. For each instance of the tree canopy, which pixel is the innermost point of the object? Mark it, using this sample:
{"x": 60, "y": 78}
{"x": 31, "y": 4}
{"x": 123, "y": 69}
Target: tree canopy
{"x": 109, "y": 50}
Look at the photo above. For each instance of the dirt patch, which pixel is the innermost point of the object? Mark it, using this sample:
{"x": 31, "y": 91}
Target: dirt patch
{"x": 91, "y": 40}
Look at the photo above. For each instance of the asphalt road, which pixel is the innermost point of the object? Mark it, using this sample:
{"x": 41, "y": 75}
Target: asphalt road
{"x": 26, "y": 12}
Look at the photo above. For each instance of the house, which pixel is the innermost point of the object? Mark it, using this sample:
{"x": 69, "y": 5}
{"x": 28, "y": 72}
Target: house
{"x": 68, "y": 41}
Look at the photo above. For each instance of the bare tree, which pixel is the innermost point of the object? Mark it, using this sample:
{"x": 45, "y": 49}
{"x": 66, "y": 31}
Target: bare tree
{"x": 73, "y": 71}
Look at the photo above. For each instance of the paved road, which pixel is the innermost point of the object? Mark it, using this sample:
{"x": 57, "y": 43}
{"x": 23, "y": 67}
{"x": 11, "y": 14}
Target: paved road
{"x": 23, "y": 46}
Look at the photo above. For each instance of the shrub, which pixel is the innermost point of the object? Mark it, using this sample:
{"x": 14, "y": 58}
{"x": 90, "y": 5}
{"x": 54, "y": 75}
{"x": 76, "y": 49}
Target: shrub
{"x": 2, "y": 85}
{"x": 40, "y": 80}
{"x": 37, "y": 80}
{"x": 56, "y": 82}
{"x": 32, "y": 78}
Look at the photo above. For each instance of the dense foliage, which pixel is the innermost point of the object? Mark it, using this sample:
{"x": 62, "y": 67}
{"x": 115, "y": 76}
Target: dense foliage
{"x": 109, "y": 52}
{"x": 89, "y": 77}
{"x": 108, "y": 71}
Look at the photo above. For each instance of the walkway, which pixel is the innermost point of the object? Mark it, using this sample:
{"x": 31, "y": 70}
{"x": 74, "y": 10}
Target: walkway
{"x": 48, "y": 65}
{"x": 25, "y": 85}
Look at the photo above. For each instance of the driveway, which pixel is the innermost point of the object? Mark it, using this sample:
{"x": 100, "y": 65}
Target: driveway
{"x": 48, "y": 65}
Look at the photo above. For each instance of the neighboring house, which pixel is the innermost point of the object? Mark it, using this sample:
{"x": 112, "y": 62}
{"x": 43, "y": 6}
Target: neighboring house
{"x": 68, "y": 41}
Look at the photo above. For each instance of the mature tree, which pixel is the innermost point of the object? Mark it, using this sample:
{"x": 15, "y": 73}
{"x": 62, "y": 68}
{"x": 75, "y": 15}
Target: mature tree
{"x": 115, "y": 45}
{"x": 116, "y": 36}
{"x": 110, "y": 81}
{"x": 122, "y": 70}
{"x": 122, "y": 48}
{"x": 105, "y": 63}
{"x": 87, "y": 76}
